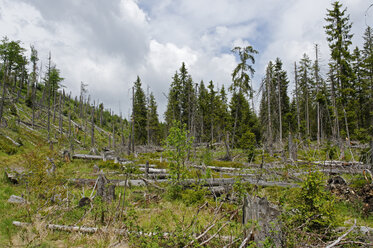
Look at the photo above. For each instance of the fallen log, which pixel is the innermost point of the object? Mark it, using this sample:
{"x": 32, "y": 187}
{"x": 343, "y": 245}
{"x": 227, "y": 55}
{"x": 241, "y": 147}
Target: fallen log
{"x": 86, "y": 156}
{"x": 92, "y": 230}
{"x": 153, "y": 170}
{"x": 11, "y": 140}
{"x": 188, "y": 182}
{"x": 216, "y": 168}
{"x": 66, "y": 228}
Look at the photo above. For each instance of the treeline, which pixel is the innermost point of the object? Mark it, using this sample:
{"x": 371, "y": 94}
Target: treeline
{"x": 40, "y": 88}
{"x": 336, "y": 106}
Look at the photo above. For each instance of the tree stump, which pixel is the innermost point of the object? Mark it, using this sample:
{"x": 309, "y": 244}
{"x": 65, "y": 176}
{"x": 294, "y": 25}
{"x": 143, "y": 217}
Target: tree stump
{"x": 146, "y": 169}
{"x": 292, "y": 148}
{"x": 258, "y": 210}
{"x": 96, "y": 169}
{"x": 105, "y": 190}
{"x": 66, "y": 156}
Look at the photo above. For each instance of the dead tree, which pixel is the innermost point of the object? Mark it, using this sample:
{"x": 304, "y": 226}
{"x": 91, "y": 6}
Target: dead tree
{"x": 3, "y": 94}
{"x": 49, "y": 95}
{"x": 93, "y": 125}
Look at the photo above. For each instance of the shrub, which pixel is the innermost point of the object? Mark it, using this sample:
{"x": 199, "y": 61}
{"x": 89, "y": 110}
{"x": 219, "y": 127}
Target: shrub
{"x": 247, "y": 142}
{"x": 313, "y": 207}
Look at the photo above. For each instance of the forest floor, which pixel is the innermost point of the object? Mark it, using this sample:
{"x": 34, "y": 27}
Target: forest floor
{"x": 157, "y": 213}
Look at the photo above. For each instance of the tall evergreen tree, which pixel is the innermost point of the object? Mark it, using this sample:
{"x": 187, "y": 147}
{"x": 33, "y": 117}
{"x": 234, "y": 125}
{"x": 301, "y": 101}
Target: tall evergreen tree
{"x": 338, "y": 35}
{"x": 241, "y": 78}
{"x": 154, "y": 127}
{"x": 139, "y": 113}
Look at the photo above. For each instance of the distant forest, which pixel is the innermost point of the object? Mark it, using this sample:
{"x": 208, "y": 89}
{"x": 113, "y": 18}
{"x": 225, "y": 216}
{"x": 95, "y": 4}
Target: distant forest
{"x": 336, "y": 107}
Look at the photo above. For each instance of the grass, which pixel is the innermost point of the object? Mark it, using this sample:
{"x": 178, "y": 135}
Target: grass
{"x": 145, "y": 209}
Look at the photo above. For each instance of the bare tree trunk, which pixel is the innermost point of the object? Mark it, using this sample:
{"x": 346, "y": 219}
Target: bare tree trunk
{"x": 33, "y": 99}
{"x": 270, "y": 138}
{"x": 49, "y": 95}
{"x": 317, "y": 92}
{"x": 60, "y": 115}
{"x": 133, "y": 121}
{"x": 279, "y": 108}
{"x": 336, "y": 122}
{"x": 307, "y": 111}
{"x": 346, "y": 123}
{"x": 93, "y": 126}
{"x": 297, "y": 97}
{"x": 54, "y": 103}
{"x": 2, "y": 101}
{"x": 70, "y": 126}
{"x": 20, "y": 84}
{"x": 113, "y": 134}
{"x": 147, "y": 117}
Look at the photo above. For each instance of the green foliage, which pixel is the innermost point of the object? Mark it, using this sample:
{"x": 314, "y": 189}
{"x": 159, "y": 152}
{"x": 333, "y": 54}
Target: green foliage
{"x": 207, "y": 157}
{"x": 6, "y": 146}
{"x": 140, "y": 113}
{"x": 312, "y": 207}
{"x": 173, "y": 191}
{"x": 177, "y": 145}
{"x": 331, "y": 151}
{"x": 248, "y": 142}
{"x": 195, "y": 195}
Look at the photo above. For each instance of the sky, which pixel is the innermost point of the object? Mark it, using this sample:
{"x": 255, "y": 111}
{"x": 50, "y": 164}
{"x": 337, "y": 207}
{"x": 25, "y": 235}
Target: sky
{"x": 107, "y": 44}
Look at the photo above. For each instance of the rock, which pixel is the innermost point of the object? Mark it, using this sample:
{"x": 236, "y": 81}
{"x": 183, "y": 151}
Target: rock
{"x": 16, "y": 199}
{"x": 14, "y": 175}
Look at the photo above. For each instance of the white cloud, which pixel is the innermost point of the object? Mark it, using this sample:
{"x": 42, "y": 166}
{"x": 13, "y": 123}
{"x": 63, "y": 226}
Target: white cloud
{"x": 107, "y": 44}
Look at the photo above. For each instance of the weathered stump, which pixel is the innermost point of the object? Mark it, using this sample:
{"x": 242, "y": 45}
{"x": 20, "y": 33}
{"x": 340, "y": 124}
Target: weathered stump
{"x": 96, "y": 169}
{"x": 292, "y": 148}
{"x": 105, "y": 190}
{"x": 66, "y": 156}
{"x": 84, "y": 201}
{"x": 258, "y": 211}
{"x": 146, "y": 169}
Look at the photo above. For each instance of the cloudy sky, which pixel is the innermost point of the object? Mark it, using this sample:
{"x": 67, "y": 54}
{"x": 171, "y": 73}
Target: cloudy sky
{"x": 106, "y": 44}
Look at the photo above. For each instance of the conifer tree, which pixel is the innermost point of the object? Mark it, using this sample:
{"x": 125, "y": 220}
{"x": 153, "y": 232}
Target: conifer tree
{"x": 154, "y": 127}
{"x": 139, "y": 113}
{"x": 338, "y": 35}
{"x": 173, "y": 111}
{"x": 241, "y": 77}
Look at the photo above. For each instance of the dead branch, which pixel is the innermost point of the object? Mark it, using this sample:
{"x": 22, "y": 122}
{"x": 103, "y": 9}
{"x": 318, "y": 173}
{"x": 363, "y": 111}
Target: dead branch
{"x": 342, "y": 237}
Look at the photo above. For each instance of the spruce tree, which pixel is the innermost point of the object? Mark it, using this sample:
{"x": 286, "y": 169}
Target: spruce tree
{"x": 241, "y": 80}
{"x": 139, "y": 113}
{"x": 338, "y": 35}
{"x": 154, "y": 127}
